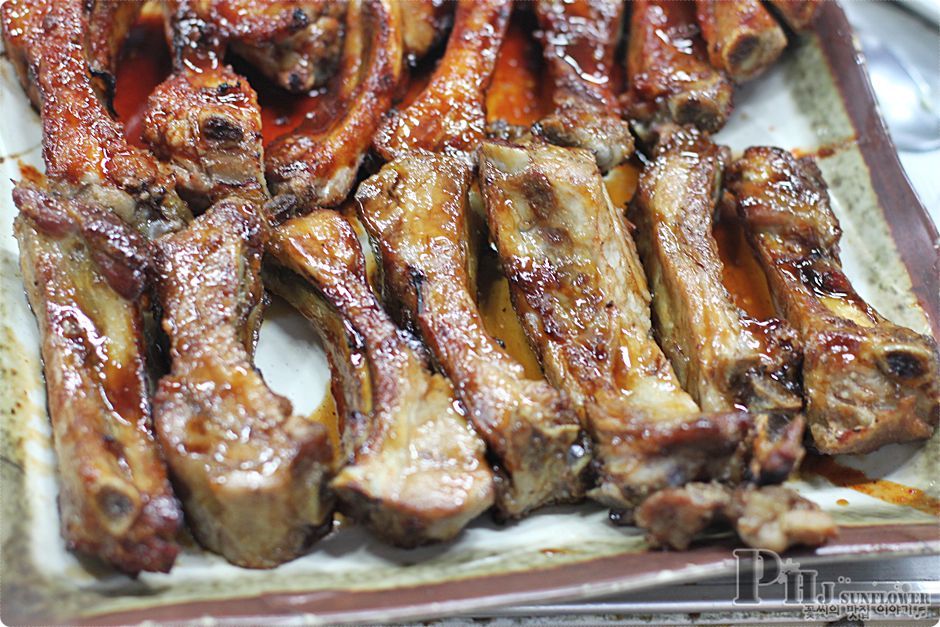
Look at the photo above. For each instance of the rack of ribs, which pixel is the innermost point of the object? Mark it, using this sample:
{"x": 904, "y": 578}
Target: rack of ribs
{"x": 448, "y": 115}
{"x": 580, "y": 39}
{"x": 415, "y": 209}
{"x": 314, "y": 166}
{"x": 668, "y": 74}
{"x": 867, "y": 382}
{"x": 723, "y": 358}
{"x": 580, "y": 293}
{"x": 742, "y": 38}
{"x": 415, "y": 470}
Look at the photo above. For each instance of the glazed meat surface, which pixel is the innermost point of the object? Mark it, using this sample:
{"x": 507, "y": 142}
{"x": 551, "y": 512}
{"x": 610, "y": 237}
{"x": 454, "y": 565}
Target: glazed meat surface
{"x": 741, "y": 36}
{"x": 581, "y": 295}
{"x": 867, "y": 382}
{"x": 448, "y": 115}
{"x": 415, "y": 209}
{"x": 297, "y": 44}
{"x": 722, "y": 358}
{"x": 668, "y": 73}
{"x": 580, "y": 39}
{"x": 415, "y": 470}
{"x": 771, "y": 517}
{"x": 85, "y": 272}
{"x": 253, "y": 474}
{"x": 798, "y": 14}
{"x": 315, "y": 166}
{"x": 84, "y": 149}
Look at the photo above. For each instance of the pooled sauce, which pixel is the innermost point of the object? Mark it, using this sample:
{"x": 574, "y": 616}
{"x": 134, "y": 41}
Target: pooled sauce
{"x": 741, "y": 273}
{"x": 144, "y": 65}
{"x": 520, "y": 92}
{"x": 326, "y": 415}
{"x": 881, "y": 489}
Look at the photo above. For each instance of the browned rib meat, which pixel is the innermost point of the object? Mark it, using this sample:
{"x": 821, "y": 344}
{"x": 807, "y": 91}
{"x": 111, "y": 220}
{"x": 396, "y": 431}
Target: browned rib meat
{"x": 723, "y": 358}
{"x": 416, "y": 211}
{"x": 416, "y": 471}
{"x": 579, "y": 290}
{"x": 84, "y": 272}
{"x": 798, "y": 14}
{"x": 424, "y": 24}
{"x": 668, "y": 72}
{"x": 580, "y": 39}
{"x": 742, "y": 37}
{"x": 449, "y": 114}
{"x": 207, "y": 124}
{"x": 296, "y": 44}
{"x": 867, "y": 382}
{"x": 314, "y": 166}
{"x": 84, "y": 149}
{"x": 771, "y": 517}
{"x": 252, "y": 473}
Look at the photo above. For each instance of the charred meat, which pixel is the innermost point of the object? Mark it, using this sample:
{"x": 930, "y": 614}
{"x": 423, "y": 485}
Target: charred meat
{"x": 867, "y": 382}
{"x": 448, "y": 115}
{"x": 416, "y": 212}
{"x": 722, "y": 358}
{"x": 580, "y": 39}
{"x": 415, "y": 470}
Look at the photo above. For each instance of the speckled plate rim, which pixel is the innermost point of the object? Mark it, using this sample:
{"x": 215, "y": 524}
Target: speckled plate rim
{"x": 917, "y": 241}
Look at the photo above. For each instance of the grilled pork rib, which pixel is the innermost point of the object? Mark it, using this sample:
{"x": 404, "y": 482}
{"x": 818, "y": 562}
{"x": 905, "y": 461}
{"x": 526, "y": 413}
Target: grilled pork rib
{"x": 84, "y": 149}
{"x": 580, "y": 39}
{"x": 579, "y": 290}
{"x": 415, "y": 469}
{"x": 722, "y": 358}
{"x": 312, "y": 166}
{"x": 742, "y": 37}
{"x": 668, "y": 72}
{"x": 84, "y": 272}
{"x": 251, "y": 473}
{"x": 867, "y": 382}
{"x": 415, "y": 209}
{"x": 448, "y": 115}
{"x": 771, "y": 517}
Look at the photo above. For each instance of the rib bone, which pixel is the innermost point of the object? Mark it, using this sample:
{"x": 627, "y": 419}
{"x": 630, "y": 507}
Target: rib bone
{"x": 415, "y": 209}
{"x": 580, "y": 39}
{"x": 415, "y": 469}
{"x": 867, "y": 382}
{"x": 723, "y": 358}
{"x": 448, "y": 115}
{"x": 742, "y": 37}
{"x": 580, "y": 293}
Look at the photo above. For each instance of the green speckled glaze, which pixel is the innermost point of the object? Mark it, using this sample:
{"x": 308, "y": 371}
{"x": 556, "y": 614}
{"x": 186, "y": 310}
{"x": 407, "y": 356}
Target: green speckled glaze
{"x": 41, "y": 579}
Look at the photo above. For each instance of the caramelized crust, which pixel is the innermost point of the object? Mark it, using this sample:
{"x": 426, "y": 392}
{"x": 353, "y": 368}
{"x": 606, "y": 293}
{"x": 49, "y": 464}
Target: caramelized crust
{"x": 580, "y": 39}
{"x": 252, "y": 474}
{"x": 207, "y": 124}
{"x": 84, "y": 149}
{"x": 741, "y": 36}
{"x": 798, "y": 14}
{"x": 84, "y": 272}
{"x": 771, "y": 517}
{"x": 867, "y": 382}
{"x": 579, "y": 290}
{"x": 415, "y": 469}
{"x": 314, "y": 166}
{"x": 723, "y": 358}
{"x": 449, "y": 114}
{"x": 668, "y": 72}
{"x": 415, "y": 209}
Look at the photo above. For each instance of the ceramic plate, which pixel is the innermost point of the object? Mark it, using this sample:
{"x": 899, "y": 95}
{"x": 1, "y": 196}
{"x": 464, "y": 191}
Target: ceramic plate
{"x": 816, "y": 100}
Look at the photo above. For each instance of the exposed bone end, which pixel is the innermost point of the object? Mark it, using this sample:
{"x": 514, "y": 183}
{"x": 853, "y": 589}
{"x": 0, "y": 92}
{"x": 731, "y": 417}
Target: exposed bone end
{"x": 425, "y": 480}
{"x": 886, "y": 390}
{"x": 707, "y": 108}
{"x": 578, "y": 124}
